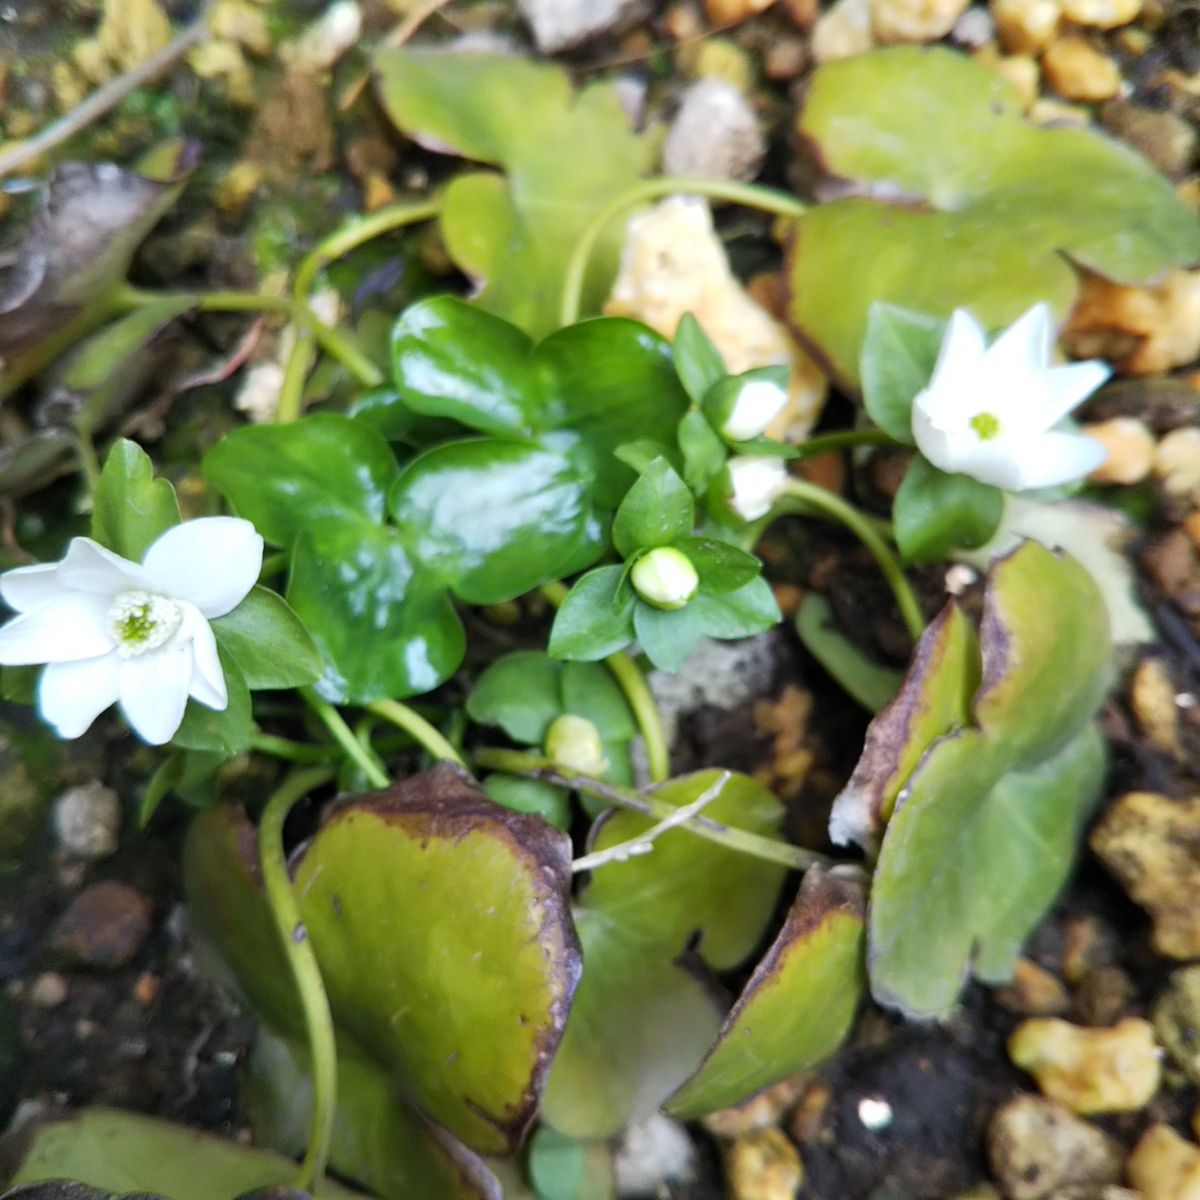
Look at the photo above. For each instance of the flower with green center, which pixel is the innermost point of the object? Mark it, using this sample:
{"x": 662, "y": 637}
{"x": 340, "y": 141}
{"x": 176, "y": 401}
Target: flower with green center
{"x": 990, "y": 411}
{"x": 137, "y": 634}
{"x": 665, "y": 577}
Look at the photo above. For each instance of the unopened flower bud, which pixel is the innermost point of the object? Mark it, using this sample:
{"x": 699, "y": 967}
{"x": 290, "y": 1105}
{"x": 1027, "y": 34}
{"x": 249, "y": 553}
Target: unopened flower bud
{"x": 757, "y": 403}
{"x": 756, "y": 482}
{"x": 665, "y": 578}
{"x": 574, "y": 742}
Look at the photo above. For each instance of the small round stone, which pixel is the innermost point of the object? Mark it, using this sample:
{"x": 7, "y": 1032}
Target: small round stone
{"x": 915, "y": 20}
{"x": 87, "y": 820}
{"x": 1076, "y": 70}
{"x": 1101, "y": 14}
{"x": 49, "y": 990}
{"x": 1130, "y": 446}
{"x": 1026, "y": 26}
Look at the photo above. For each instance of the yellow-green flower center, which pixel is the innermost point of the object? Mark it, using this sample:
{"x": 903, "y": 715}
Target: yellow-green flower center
{"x": 142, "y": 621}
{"x": 986, "y": 425}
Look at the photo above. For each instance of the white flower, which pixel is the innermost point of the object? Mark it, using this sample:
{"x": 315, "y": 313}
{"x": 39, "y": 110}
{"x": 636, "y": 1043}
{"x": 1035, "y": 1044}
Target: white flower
{"x": 758, "y": 403}
{"x": 115, "y": 631}
{"x": 757, "y": 482}
{"x": 665, "y": 577}
{"x": 990, "y": 411}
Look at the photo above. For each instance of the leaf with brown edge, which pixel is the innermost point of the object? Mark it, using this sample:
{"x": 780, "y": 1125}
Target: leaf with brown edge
{"x": 442, "y": 926}
{"x": 797, "y": 1007}
{"x": 933, "y": 700}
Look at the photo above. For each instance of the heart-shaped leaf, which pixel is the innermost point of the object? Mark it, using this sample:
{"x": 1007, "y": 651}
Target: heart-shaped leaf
{"x": 269, "y": 642}
{"x": 935, "y": 512}
{"x": 521, "y": 693}
{"x": 798, "y": 1005}
{"x": 565, "y": 157}
{"x": 131, "y": 508}
{"x": 442, "y": 928}
{"x": 1001, "y": 207}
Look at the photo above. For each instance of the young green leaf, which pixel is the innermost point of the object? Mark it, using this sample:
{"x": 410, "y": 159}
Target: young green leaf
{"x": 697, "y": 361}
{"x": 226, "y": 731}
{"x": 862, "y": 678}
{"x": 668, "y": 636}
{"x": 899, "y": 352}
{"x": 519, "y": 692}
{"x": 722, "y": 568}
{"x": 268, "y": 642}
{"x": 657, "y": 511}
{"x": 703, "y": 451}
{"x": 746, "y": 610}
{"x": 131, "y": 508}
{"x": 936, "y": 513}
{"x": 594, "y": 620}
{"x": 552, "y": 804}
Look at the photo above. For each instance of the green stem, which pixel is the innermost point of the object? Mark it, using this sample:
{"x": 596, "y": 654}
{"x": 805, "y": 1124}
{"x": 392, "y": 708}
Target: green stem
{"x": 341, "y": 733}
{"x": 291, "y": 751}
{"x": 89, "y": 464}
{"x": 632, "y": 682}
{"x": 318, "y": 1022}
{"x": 830, "y": 505}
{"x": 532, "y": 766}
{"x": 420, "y": 729}
{"x": 749, "y": 194}
{"x": 844, "y": 440}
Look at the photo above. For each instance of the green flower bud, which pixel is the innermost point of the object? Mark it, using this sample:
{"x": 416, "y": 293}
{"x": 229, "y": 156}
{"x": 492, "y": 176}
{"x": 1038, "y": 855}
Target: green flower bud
{"x": 574, "y": 742}
{"x": 665, "y": 578}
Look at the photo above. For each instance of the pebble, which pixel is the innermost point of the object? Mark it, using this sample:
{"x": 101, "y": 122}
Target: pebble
{"x": 1076, "y": 70}
{"x": 1145, "y": 330}
{"x": 652, "y": 1154}
{"x": 802, "y": 13}
{"x": 1026, "y": 26}
{"x": 1022, "y": 71}
{"x": 914, "y": 20}
{"x": 560, "y": 24}
{"x": 1034, "y": 991}
{"x": 1090, "y": 1070}
{"x": 323, "y": 42}
{"x": 243, "y": 23}
{"x": 763, "y": 1166}
{"x": 731, "y": 12}
{"x": 1152, "y": 845}
{"x": 716, "y": 134}
{"x": 1101, "y": 14}
{"x": 1177, "y": 461}
{"x": 763, "y": 1111}
{"x": 974, "y": 29}
{"x": 843, "y": 31}
{"x": 1177, "y": 1020}
{"x": 1103, "y": 995}
{"x": 718, "y": 58}
{"x": 1163, "y": 137}
{"x": 1130, "y": 446}
{"x": 1152, "y": 698}
{"x": 1036, "y": 1147}
{"x": 1165, "y": 1166}
{"x": 49, "y": 990}
{"x": 105, "y": 926}
{"x": 87, "y": 820}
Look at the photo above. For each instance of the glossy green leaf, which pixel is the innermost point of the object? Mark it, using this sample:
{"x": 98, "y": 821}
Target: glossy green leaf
{"x": 379, "y": 1141}
{"x": 226, "y": 731}
{"x": 722, "y": 568}
{"x": 131, "y": 508}
{"x": 495, "y": 518}
{"x": 797, "y": 1007}
{"x": 934, "y": 700}
{"x": 124, "y": 1152}
{"x": 269, "y": 642}
{"x": 348, "y": 578}
{"x": 611, "y": 382}
{"x": 746, "y": 610}
{"x": 442, "y": 928}
{"x": 972, "y": 858}
{"x": 565, "y": 156}
{"x": 698, "y": 362}
{"x": 589, "y": 690}
{"x": 1003, "y": 216}
{"x": 704, "y": 453}
{"x": 294, "y": 477}
{"x": 862, "y": 678}
{"x": 935, "y": 513}
{"x": 595, "y": 619}
{"x": 545, "y": 800}
{"x": 657, "y": 511}
{"x": 900, "y": 350}
{"x": 668, "y": 636}
{"x": 453, "y": 359}
{"x": 521, "y": 693}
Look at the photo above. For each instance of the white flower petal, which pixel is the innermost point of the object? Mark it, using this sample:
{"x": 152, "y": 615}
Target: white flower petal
{"x": 934, "y": 443}
{"x": 957, "y": 371}
{"x": 71, "y": 695}
{"x": 72, "y": 626}
{"x": 756, "y": 482}
{"x": 1056, "y": 458}
{"x": 1023, "y": 349}
{"x": 90, "y": 567}
{"x": 24, "y": 588}
{"x": 1070, "y": 386}
{"x": 993, "y": 462}
{"x": 211, "y": 562}
{"x": 208, "y": 679}
{"x": 154, "y": 690}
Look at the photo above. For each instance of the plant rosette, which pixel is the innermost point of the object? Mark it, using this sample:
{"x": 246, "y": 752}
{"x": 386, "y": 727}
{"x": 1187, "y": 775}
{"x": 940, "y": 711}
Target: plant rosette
{"x": 985, "y": 417}
{"x": 574, "y": 713}
{"x": 151, "y": 613}
{"x": 673, "y": 589}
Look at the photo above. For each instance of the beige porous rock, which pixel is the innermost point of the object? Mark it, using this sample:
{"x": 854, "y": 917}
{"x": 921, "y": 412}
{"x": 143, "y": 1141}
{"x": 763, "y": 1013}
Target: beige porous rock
{"x": 731, "y": 12}
{"x": 763, "y": 1166}
{"x": 1034, "y": 991}
{"x": 843, "y": 31}
{"x": 1090, "y": 1070}
{"x": 1152, "y": 845}
{"x": 764, "y": 1111}
{"x": 1152, "y": 698}
{"x": 1165, "y": 1166}
{"x": 1022, "y": 71}
{"x": 1036, "y": 1147}
{"x": 1144, "y": 330}
{"x": 1026, "y": 26}
{"x": 1130, "y": 446}
{"x": 716, "y": 134}
{"x": 673, "y": 263}
{"x": 1177, "y": 1020}
{"x": 1177, "y": 461}
{"x": 1101, "y": 14}
{"x": 1076, "y": 70}
{"x": 914, "y": 20}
